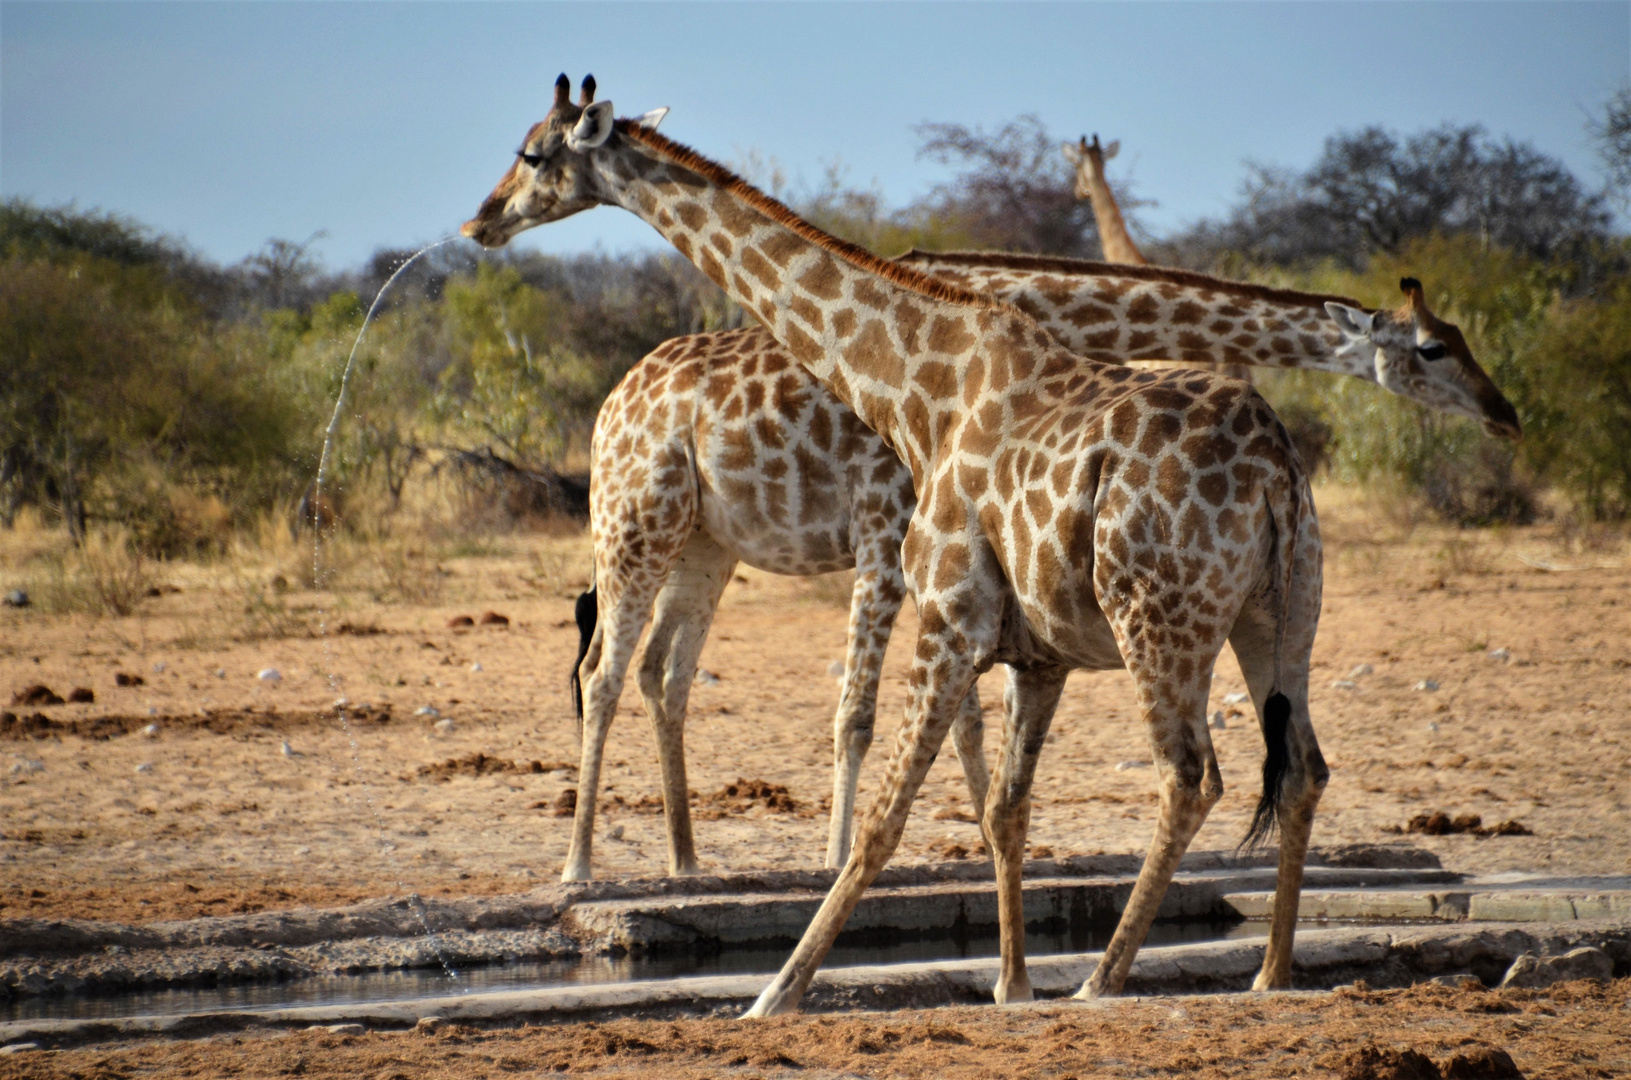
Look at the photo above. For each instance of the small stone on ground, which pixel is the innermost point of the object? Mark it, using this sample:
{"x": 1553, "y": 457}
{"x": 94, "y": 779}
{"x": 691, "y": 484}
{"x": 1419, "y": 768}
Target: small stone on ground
{"x": 1533, "y": 972}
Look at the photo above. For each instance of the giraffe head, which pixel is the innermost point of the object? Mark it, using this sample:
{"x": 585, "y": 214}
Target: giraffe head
{"x": 549, "y": 180}
{"x": 1089, "y": 159}
{"x": 1420, "y": 356}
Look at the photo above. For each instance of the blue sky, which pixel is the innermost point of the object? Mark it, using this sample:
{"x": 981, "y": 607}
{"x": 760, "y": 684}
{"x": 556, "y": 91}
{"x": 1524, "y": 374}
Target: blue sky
{"x": 384, "y": 124}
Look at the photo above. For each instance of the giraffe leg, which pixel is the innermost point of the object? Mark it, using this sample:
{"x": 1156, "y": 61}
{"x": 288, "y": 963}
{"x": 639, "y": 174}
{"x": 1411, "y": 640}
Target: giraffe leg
{"x": 968, "y": 739}
{"x": 1031, "y": 699}
{"x": 624, "y": 605}
{"x": 943, "y": 670}
{"x": 879, "y": 590}
{"x": 1304, "y": 776}
{"x": 679, "y": 629}
{"x": 1175, "y": 715}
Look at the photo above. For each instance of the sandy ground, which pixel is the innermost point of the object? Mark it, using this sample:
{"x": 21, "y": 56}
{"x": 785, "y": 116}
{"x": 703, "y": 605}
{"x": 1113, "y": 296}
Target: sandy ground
{"x": 211, "y": 816}
{"x": 1574, "y": 1030}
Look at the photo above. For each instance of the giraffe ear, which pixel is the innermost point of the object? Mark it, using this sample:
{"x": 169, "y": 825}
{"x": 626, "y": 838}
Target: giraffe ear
{"x": 651, "y": 119}
{"x": 1112, "y": 148}
{"x": 1073, "y": 153}
{"x": 593, "y": 128}
{"x": 1356, "y": 324}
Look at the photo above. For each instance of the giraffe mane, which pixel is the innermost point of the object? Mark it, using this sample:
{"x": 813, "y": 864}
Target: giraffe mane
{"x": 777, "y": 211}
{"x": 1190, "y": 278}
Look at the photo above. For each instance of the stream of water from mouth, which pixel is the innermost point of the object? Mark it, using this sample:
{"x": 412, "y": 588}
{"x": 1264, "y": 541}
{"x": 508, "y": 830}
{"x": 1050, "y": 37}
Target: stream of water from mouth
{"x": 330, "y": 672}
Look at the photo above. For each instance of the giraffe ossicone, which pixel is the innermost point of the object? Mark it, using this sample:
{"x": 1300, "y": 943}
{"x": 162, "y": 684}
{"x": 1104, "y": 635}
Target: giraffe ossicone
{"x": 1071, "y": 514}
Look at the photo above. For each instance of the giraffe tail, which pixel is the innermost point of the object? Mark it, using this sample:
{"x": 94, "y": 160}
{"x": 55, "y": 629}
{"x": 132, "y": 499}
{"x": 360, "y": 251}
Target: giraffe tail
{"x": 1285, "y": 511}
{"x": 586, "y": 612}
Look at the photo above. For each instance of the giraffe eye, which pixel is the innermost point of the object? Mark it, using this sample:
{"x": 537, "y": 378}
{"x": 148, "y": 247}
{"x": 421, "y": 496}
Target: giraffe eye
{"x": 532, "y": 160}
{"x": 1432, "y": 351}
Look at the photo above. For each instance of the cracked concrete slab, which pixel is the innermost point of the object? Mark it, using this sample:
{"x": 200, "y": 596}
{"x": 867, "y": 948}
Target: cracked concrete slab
{"x": 41, "y": 958}
{"x": 1323, "y": 959}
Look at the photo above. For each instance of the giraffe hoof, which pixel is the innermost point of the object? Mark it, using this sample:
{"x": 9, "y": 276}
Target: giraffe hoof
{"x": 773, "y": 1002}
{"x": 1013, "y": 995}
{"x": 576, "y": 873}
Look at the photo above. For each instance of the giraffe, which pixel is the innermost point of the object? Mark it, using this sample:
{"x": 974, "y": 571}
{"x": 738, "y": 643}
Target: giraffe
{"x": 1089, "y": 159}
{"x": 1071, "y": 514}
{"x": 787, "y": 502}
{"x": 1208, "y": 322}
{"x": 779, "y": 474}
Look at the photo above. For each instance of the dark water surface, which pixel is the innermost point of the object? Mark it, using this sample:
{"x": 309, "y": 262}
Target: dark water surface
{"x": 377, "y": 987}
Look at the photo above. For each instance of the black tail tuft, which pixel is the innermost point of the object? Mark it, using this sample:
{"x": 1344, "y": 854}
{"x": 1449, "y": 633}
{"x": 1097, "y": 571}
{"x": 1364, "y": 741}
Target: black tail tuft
{"x": 585, "y": 612}
{"x": 1276, "y": 729}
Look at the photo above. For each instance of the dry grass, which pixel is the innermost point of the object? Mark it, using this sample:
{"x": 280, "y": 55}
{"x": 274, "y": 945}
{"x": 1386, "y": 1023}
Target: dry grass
{"x": 408, "y": 574}
{"x": 266, "y": 584}
{"x": 107, "y": 575}
{"x": 1393, "y": 533}
{"x": 835, "y": 589}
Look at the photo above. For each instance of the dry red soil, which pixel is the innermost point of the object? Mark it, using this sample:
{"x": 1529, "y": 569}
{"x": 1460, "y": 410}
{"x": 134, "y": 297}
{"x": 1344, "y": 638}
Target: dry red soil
{"x": 1574, "y": 1030}
{"x": 210, "y": 816}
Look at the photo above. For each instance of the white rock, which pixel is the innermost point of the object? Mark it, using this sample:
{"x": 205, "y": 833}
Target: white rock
{"x": 706, "y": 677}
{"x": 1218, "y": 723}
{"x": 269, "y": 674}
{"x": 152, "y": 711}
{"x": 1360, "y": 670}
{"x": 836, "y": 668}
{"x": 1239, "y": 697}
{"x": 158, "y": 668}
{"x": 429, "y": 1023}
{"x": 444, "y": 727}
{"x": 616, "y": 833}
{"x": 1428, "y": 685}
{"x": 1432, "y": 725}
{"x": 345, "y": 1029}
{"x": 145, "y": 767}
{"x": 151, "y": 731}
{"x": 288, "y": 751}
{"x": 220, "y": 673}
{"x": 302, "y": 851}
{"x": 1344, "y": 684}
{"x": 341, "y": 702}
{"x": 26, "y": 766}
{"x": 1502, "y": 655}
{"x": 427, "y": 710}
{"x": 476, "y": 666}
{"x": 1123, "y": 766}
{"x": 19, "y": 1048}
{"x": 1538, "y": 972}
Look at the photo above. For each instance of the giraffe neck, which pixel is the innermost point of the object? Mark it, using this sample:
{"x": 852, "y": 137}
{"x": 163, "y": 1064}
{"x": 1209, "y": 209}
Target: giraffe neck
{"x": 1118, "y": 243}
{"x": 883, "y": 337}
{"x": 1119, "y": 313}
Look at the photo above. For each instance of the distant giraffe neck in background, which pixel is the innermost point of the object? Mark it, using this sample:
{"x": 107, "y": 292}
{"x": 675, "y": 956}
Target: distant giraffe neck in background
{"x": 1119, "y": 314}
{"x": 1090, "y": 182}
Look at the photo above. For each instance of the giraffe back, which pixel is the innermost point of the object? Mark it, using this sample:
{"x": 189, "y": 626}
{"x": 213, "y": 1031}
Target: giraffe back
{"x": 768, "y": 461}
